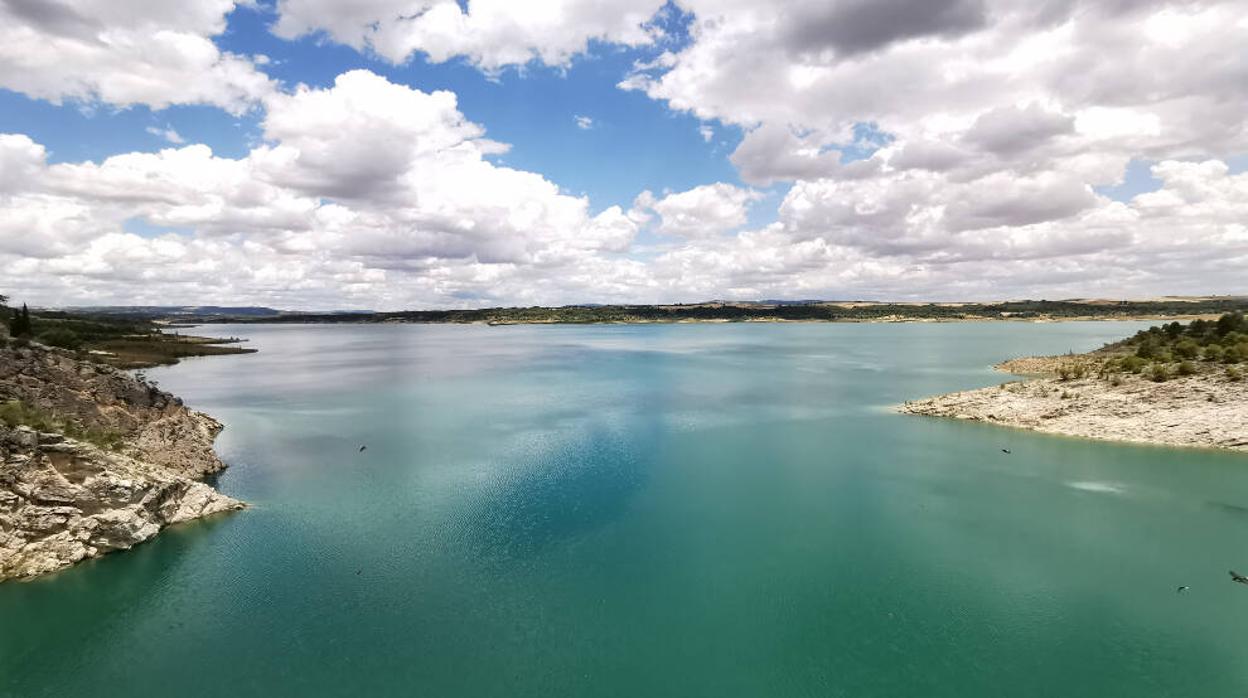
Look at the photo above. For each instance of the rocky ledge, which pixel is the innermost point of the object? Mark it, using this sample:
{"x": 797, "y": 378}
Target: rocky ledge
{"x": 66, "y": 499}
{"x": 1202, "y": 410}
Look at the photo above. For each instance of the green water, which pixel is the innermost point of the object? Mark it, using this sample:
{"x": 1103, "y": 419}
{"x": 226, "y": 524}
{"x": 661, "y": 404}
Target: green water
{"x": 694, "y": 510}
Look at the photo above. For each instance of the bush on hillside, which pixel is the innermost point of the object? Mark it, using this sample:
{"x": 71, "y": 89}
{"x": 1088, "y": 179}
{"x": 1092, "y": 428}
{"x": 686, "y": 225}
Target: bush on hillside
{"x": 61, "y": 337}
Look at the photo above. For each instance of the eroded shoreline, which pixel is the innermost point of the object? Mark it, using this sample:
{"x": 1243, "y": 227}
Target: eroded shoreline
{"x": 93, "y": 460}
{"x": 1204, "y": 410}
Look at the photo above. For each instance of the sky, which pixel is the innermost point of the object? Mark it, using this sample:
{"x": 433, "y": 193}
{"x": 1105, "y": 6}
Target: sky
{"x": 392, "y": 154}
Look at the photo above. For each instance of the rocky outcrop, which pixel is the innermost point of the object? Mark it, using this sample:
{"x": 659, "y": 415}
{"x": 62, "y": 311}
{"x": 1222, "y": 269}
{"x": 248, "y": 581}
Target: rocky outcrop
{"x": 63, "y": 500}
{"x": 155, "y": 425}
{"x": 1205, "y": 410}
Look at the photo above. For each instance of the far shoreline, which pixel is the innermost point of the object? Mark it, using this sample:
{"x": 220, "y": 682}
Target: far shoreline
{"x": 698, "y": 321}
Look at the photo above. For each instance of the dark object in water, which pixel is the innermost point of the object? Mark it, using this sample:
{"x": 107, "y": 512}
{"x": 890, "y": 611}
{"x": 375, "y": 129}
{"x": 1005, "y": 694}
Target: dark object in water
{"x": 362, "y": 448}
{"x": 1181, "y": 589}
{"x": 1237, "y": 577}
{"x": 1005, "y": 450}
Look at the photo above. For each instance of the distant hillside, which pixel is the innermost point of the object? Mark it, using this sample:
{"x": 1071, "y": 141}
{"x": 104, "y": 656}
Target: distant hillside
{"x": 147, "y": 311}
{"x": 774, "y": 311}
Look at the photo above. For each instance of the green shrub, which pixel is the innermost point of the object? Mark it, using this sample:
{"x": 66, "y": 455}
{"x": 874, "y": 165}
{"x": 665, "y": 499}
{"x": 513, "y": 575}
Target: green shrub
{"x": 1214, "y": 352}
{"x": 61, "y": 337}
{"x": 1159, "y": 374}
{"x": 1132, "y": 364}
{"x": 1148, "y": 349}
{"x": 1233, "y": 374}
{"x": 1186, "y": 368}
{"x": 1187, "y": 349}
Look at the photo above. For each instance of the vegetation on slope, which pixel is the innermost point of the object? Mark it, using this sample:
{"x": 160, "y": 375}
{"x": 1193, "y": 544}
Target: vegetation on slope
{"x": 14, "y": 413}
{"x": 1168, "y": 351}
{"x": 773, "y": 311}
{"x": 121, "y": 341}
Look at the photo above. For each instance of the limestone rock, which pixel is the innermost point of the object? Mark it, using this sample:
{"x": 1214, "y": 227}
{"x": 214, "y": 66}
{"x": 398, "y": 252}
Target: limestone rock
{"x": 1203, "y": 410}
{"x": 63, "y": 500}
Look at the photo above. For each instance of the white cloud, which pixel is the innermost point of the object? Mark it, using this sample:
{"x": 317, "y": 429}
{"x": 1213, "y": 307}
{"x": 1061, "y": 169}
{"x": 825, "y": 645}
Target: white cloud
{"x": 950, "y": 149}
{"x": 62, "y": 239}
{"x": 491, "y": 34}
{"x": 1087, "y": 77}
{"x": 125, "y": 52}
{"x": 365, "y": 190}
{"x": 167, "y": 133}
{"x": 704, "y": 211}
{"x": 583, "y": 122}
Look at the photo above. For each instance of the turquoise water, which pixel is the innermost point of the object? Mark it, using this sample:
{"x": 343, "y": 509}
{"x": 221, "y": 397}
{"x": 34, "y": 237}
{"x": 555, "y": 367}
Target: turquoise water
{"x": 689, "y": 510}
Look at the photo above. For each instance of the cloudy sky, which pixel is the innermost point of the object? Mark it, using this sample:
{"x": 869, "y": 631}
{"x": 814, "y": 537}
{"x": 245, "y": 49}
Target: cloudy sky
{"x": 392, "y": 154}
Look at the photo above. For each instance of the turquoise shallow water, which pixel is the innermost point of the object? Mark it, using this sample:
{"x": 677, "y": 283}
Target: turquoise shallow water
{"x": 692, "y": 510}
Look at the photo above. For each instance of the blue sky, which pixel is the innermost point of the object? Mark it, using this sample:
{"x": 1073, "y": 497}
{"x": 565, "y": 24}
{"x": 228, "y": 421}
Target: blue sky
{"x": 532, "y": 109}
{"x": 658, "y": 151}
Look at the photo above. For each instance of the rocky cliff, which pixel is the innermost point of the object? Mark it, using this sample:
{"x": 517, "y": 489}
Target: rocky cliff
{"x": 132, "y": 469}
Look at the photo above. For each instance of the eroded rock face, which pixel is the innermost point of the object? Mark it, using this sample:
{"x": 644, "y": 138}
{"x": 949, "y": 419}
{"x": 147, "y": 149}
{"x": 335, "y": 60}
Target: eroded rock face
{"x": 156, "y": 426}
{"x": 63, "y": 500}
{"x": 1205, "y": 410}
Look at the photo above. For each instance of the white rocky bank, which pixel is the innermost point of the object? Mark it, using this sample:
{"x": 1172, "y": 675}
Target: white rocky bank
{"x": 63, "y": 500}
{"x": 1203, "y": 410}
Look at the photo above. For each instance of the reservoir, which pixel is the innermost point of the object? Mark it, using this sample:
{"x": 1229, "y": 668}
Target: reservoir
{"x": 653, "y": 510}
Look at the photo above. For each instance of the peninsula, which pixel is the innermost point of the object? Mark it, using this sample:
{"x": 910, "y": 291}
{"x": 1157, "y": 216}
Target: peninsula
{"x": 92, "y": 459}
{"x": 1172, "y": 384}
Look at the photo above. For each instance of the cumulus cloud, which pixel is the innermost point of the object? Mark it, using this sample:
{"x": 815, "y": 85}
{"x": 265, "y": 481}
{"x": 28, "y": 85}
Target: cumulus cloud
{"x": 992, "y": 124}
{"x": 491, "y": 34}
{"x": 1003, "y": 118}
{"x": 365, "y": 187}
{"x": 704, "y": 211}
{"x": 847, "y": 27}
{"x": 998, "y": 79}
{"x": 125, "y": 52}
{"x": 862, "y": 238}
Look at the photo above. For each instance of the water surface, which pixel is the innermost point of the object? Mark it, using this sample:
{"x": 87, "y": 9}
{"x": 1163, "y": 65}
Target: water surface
{"x": 666, "y": 510}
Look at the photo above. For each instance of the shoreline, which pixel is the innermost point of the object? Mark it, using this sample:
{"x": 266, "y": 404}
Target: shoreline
{"x": 294, "y": 320}
{"x": 1205, "y": 410}
{"x": 94, "y": 459}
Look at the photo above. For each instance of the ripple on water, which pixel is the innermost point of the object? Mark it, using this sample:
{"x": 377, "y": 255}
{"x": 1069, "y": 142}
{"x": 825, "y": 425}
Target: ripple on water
{"x": 1095, "y": 486}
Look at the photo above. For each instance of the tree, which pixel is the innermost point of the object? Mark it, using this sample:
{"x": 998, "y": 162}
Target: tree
{"x": 61, "y": 337}
{"x": 20, "y": 325}
{"x": 1231, "y": 322}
